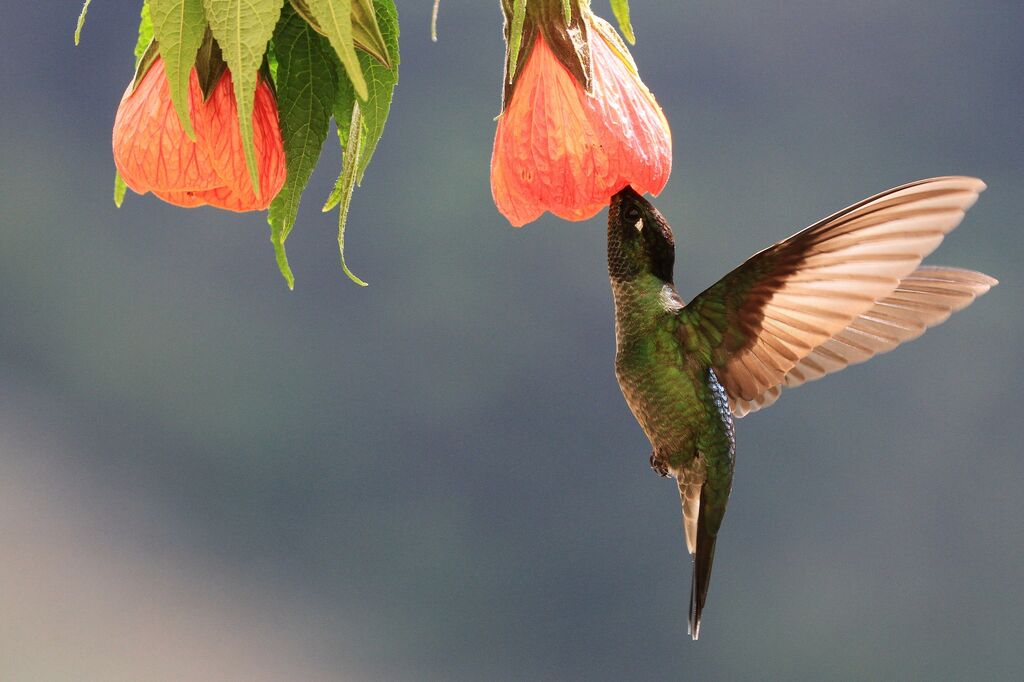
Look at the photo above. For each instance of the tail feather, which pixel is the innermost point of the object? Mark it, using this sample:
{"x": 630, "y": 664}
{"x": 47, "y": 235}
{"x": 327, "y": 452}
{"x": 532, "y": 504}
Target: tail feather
{"x": 703, "y": 558}
{"x": 689, "y": 496}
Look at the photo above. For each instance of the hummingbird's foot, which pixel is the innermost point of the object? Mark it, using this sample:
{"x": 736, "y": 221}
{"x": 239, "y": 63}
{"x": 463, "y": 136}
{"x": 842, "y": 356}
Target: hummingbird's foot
{"x": 659, "y": 465}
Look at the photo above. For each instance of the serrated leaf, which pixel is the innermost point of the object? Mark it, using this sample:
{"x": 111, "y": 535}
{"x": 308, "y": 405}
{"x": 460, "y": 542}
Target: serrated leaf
{"x": 120, "y": 188}
{"x": 347, "y": 181}
{"x": 243, "y": 29}
{"x": 145, "y": 33}
{"x": 344, "y": 100}
{"x": 81, "y": 21}
{"x": 334, "y": 18}
{"x": 179, "y": 26}
{"x": 365, "y": 31}
{"x": 381, "y": 81}
{"x": 374, "y": 113}
{"x": 306, "y": 85}
{"x": 515, "y": 36}
{"x": 282, "y": 262}
{"x": 620, "y": 8}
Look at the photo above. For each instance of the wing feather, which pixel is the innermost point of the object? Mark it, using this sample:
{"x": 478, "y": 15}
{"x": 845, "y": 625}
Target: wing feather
{"x": 923, "y": 299}
{"x": 834, "y": 294}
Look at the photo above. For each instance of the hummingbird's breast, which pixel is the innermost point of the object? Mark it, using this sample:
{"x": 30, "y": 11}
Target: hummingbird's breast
{"x": 658, "y": 381}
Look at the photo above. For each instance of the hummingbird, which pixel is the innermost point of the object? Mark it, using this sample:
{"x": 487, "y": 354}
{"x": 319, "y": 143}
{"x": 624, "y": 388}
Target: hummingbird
{"x": 846, "y": 288}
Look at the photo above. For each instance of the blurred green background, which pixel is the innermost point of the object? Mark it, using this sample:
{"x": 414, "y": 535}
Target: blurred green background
{"x": 206, "y": 476}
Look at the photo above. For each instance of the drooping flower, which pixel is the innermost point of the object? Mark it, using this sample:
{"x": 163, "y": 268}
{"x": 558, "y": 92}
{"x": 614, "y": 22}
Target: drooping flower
{"x": 153, "y": 153}
{"x": 562, "y": 146}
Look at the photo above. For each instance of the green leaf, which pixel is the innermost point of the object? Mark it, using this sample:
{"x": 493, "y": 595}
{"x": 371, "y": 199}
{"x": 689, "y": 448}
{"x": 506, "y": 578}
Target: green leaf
{"x": 374, "y": 113}
{"x": 282, "y": 262}
{"x": 178, "y": 26}
{"x": 433, "y": 20}
{"x": 272, "y": 62}
{"x": 567, "y": 11}
{"x": 306, "y": 85}
{"x": 81, "y": 21}
{"x": 515, "y": 36}
{"x": 620, "y": 8}
{"x": 365, "y": 31}
{"x": 145, "y": 33}
{"x": 334, "y": 18}
{"x": 344, "y": 100}
{"x": 347, "y": 181}
{"x": 243, "y": 28}
{"x": 119, "y": 189}
{"x": 381, "y": 82}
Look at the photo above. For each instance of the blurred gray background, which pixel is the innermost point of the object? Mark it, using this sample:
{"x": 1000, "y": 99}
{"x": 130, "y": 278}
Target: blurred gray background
{"x": 206, "y": 476}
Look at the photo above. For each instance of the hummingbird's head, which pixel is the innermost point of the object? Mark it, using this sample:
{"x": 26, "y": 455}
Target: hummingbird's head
{"x": 639, "y": 238}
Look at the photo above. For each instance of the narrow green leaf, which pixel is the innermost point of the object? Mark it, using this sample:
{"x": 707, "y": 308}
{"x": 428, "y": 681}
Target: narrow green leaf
{"x": 306, "y": 85}
{"x": 515, "y": 36}
{"x": 119, "y": 189}
{"x": 620, "y": 8}
{"x": 366, "y": 31}
{"x": 344, "y": 100}
{"x": 282, "y": 263}
{"x": 334, "y": 17}
{"x": 348, "y": 182}
{"x": 272, "y": 62}
{"x": 81, "y": 21}
{"x": 145, "y": 33}
{"x": 374, "y": 113}
{"x": 243, "y": 28}
{"x": 567, "y": 10}
{"x": 433, "y": 20}
{"x": 381, "y": 82}
{"x": 178, "y": 26}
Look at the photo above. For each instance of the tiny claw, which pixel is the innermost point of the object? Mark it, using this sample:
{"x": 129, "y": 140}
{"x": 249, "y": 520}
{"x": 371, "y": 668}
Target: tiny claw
{"x": 659, "y": 465}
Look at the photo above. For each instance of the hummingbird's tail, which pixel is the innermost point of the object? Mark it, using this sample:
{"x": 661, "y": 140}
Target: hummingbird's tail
{"x": 703, "y": 557}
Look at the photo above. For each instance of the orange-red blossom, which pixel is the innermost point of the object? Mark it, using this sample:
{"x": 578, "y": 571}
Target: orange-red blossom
{"x": 559, "y": 148}
{"x": 153, "y": 153}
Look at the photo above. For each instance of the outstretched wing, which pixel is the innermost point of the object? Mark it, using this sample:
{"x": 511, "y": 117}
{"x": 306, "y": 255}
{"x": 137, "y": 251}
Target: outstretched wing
{"x": 792, "y": 307}
{"x": 923, "y": 299}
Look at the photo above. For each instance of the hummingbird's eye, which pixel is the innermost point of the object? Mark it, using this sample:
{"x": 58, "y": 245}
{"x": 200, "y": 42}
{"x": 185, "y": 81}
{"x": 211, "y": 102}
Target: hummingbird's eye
{"x": 632, "y": 214}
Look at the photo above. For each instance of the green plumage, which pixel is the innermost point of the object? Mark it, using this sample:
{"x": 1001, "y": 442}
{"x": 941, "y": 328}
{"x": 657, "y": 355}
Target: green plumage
{"x": 662, "y": 366}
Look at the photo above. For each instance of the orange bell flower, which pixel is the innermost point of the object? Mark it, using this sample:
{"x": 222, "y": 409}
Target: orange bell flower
{"x": 562, "y": 149}
{"x": 153, "y": 154}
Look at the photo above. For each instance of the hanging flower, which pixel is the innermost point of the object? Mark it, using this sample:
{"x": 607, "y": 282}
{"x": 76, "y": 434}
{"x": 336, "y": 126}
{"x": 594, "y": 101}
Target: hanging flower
{"x": 578, "y": 124}
{"x": 153, "y": 153}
